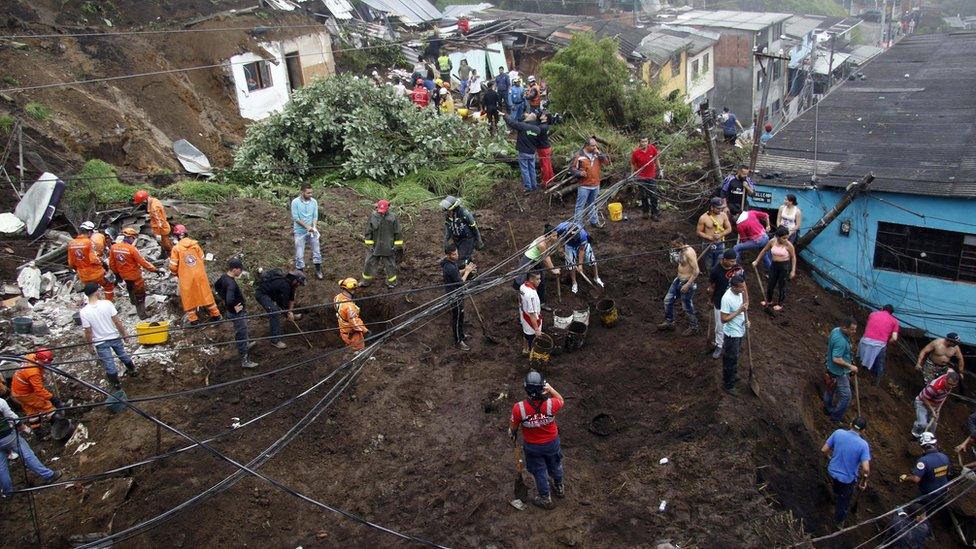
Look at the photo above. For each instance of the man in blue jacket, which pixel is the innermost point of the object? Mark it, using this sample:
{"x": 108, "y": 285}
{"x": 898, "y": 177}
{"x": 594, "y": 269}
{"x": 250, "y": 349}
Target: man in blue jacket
{"x": 516, "y": 100}
{"x": 502, "y": 84}
{"x": 850, "y": 457}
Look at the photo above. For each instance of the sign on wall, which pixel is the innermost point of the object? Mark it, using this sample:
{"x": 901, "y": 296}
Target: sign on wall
{"x": 762, "y": 197}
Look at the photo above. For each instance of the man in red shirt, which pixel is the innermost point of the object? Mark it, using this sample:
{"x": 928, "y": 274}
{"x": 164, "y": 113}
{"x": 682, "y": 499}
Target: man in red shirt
{"x": 420, "y": 96}
{"x": 540, "y": 436}
{"x": 646, "y": 164}
{"x": 929, "y": 402}
{"x": 752, "y": 234}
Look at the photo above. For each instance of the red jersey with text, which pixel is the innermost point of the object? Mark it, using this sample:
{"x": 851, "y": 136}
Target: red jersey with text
{"x": 538, "y": 419}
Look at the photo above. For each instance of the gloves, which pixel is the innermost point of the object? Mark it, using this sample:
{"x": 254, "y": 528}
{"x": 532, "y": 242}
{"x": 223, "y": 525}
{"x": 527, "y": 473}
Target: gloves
{"x": 480, "y": 245}
{"x": 512, "y": 435}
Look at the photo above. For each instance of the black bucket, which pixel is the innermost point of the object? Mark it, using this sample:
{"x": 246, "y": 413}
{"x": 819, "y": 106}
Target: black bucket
{"x": 62, "y": 429}
{"x": 575, "y": 337}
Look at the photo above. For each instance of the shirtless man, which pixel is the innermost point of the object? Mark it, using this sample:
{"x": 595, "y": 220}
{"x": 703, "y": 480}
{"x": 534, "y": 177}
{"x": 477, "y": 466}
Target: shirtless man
{"x": 935, "y": 359}
{"x": 683, "y": 285}
{"x": 713, "y": 226}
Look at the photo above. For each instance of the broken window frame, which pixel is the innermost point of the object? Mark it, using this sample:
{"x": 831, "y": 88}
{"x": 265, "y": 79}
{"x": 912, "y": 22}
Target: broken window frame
{"x": 949, "y": 255}
{"x": 257, "y": 75}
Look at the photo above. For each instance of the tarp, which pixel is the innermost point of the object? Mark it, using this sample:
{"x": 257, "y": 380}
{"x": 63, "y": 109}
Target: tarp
{"x": 10, "y": 223}
{"x": 341, "y": 9}
{"x": 191, "y": 158}
{"x": 484, "y": 61}
{"x": 36, "y": 208}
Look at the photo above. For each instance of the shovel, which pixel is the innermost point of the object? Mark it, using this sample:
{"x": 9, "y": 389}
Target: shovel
{"x": 761, "y": 289}
{"x": 303, "y": 334}
{"x": 597, "y": 291}
{"x": 484, "y": 329}
{"x": 753, "y": 382}
{"x": 521, "y": 490}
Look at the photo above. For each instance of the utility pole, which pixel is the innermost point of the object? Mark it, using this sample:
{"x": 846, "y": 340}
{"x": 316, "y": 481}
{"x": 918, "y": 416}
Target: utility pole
{"x": 707, "y": 123}
{"x": 761, "y": 115}
{"x": 852, "y": 192}
{"x": 884, "y": 18}
{"x": 830, "y": 62}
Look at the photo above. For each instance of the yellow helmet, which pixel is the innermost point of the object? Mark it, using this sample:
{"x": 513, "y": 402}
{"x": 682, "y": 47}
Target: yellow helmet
{"x": 348, "y": 283}
{"x": 438, "y": 81}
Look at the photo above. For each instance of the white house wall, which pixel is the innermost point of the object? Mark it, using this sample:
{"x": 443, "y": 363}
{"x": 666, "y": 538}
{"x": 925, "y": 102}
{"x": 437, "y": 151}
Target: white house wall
{"x": 259, "y": 104}
{"x": 698, "y": 87}
{"x": 315, "y": 55}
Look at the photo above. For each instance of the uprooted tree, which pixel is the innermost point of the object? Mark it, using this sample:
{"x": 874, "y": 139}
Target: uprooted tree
{"x": 352, "y": 126}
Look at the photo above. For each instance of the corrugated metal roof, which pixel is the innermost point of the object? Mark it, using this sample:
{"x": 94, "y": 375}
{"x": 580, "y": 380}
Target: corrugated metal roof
{"x": 660, "y": 46}
{"x": 700, "y": 40}
{"x": 916, "y": 133}
{"x": 820, "y": 64}
{"x": 341, "y": 9}
{"x": 411, "y": 12}
{"x": 799, "y": 26}
{"x": 740, "y": 20}
{"x": 860, "y": 54}
{"x": 460, "y": 10}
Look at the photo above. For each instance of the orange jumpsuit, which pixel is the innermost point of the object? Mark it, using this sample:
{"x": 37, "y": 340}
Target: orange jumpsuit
{"x": 186, "y": 262}
{"x": 352, "y": 329}
{"x": 27, "y": 388}
{"x": 83, "y": 258}
{"x": 125, "y": 261}
{"x": 159, "y": 224}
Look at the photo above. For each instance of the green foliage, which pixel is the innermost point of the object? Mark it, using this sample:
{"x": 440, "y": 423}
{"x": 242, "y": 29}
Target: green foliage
{"x": 38, "y": 111}
{"x": 833, "y": 8}
{"x": 97, "y": 184}
{"x": 6, "y": 123}
{"x": 350, "y": 124}
{"x": 586, "y": 78}
{"x": 10, "y": 80}
{"x": 200, "y": 191}
{"x": 362, "y": 61}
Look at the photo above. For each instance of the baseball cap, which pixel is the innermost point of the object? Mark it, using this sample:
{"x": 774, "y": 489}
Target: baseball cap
{"x": 235, "y": 263}
{"x": 729, "y": 254}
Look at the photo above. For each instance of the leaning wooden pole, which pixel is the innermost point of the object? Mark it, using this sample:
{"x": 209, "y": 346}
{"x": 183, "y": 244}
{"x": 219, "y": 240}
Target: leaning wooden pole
{"x": 707, "y": 123}
{"x": 853, "y": 190}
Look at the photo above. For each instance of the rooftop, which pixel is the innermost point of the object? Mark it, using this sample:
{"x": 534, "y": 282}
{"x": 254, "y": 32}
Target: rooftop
{"x": 724, "y": 19}
{"x": 699, "y": 39}
{"x": 906, "y": 122}
{"x": 799, "y": 26}
{"x": 659, "y": 46}
{"x": 410, "y": 12}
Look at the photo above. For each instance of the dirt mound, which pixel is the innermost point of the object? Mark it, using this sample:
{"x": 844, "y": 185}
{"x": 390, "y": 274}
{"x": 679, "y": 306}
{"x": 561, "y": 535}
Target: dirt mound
{"x": 418, "y": 443}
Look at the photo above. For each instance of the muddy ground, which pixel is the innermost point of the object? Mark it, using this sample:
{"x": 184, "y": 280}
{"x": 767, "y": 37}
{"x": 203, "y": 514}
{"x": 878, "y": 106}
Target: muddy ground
{"x": 418, "y": 443}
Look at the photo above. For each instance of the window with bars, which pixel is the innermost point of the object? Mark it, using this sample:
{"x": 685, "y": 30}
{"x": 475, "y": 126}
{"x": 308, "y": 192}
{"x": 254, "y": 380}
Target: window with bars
{"x": 924, "y": 251}
{"x": 258, "y": 75}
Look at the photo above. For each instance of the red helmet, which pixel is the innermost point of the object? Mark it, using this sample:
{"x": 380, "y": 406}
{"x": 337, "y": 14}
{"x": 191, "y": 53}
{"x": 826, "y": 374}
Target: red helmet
{"x": 140, "y": 197}
{"x": 383, "y": 206}
{"x": 43, "y": 355}
{"x": 179, "y": 230}
{"x": 768, "y": 127}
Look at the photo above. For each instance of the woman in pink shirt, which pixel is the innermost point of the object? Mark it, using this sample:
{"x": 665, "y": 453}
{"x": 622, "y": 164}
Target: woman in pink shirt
{"x": 752, "y": 227}
{"x": 881, "y": 328}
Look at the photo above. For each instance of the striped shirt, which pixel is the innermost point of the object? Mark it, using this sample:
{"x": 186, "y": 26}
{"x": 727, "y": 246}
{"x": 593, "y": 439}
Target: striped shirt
{"x": 937, "y": 391}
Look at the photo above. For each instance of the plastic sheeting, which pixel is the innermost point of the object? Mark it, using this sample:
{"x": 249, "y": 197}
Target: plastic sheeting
{"x": 36, "y": 208}
{"x": 191, "y": 158}
{"x": 481, "y": 60}
{"x": 10, "y": 223}
{"x": 29, "y": 281}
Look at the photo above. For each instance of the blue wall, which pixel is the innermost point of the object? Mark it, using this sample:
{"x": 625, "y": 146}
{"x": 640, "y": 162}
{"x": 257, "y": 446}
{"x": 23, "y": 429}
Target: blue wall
{"x": 920, "y": 301}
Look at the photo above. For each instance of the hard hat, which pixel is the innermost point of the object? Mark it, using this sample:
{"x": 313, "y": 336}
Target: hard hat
{"x": 531, "y": 79}
{"x": 87, "y": 226}
{"x": 444, "y": 91}
{"x": 438, "y": 81}
{"x": 111, "y": 232}
{"x": 450, "y": 202}
{"x": 768, "y": 127}
{"x": 383, "y": 206}
{"x": 43, "y": 355}
{"x": 927, "y": 439}
{"x": 130, "y": 231}
{"x": 348, "y": 283}
{"x": 140, "y": 197}
{"x": 179, "y": 230}
{"x": 534, "y": 383}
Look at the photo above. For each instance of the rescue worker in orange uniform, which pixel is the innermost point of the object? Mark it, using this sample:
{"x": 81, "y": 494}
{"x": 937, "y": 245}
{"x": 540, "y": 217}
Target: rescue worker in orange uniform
{"x": 352, "y": 329}
{"x": 157, "y": 219}
{"x": 27, "y": 386}
{"x": 87, "y": 262}
{"x": 127, "y": 263}
{"x": 186, "y": 262}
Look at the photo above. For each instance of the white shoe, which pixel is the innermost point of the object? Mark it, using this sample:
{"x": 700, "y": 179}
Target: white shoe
{"x": 11, "y": 455}
{"x": 598, "y": 282}
{"x": 575, "y": 288}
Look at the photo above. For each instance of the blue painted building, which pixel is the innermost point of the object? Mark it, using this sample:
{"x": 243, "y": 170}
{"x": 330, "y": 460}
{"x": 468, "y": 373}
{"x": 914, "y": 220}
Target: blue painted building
{"x": 911, "y": 239}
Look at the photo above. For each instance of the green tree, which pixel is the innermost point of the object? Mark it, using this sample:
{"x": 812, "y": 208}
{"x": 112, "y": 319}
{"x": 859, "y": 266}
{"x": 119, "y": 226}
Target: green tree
{"x": 585, "y": 78}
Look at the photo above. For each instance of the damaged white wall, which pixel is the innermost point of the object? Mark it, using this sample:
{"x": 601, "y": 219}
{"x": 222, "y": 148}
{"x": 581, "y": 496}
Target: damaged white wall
{"x": 257, "y": 104}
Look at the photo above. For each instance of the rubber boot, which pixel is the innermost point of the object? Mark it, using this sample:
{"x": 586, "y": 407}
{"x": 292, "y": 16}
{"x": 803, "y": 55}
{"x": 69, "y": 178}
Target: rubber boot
{"x": 318, "y": 271}
{"x": 130, "y": 371}
{"x": 113, "y": 379}
{"x": 140, "y": 303}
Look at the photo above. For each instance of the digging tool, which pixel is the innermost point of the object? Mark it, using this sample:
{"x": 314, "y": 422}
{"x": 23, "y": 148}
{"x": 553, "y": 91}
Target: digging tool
{"x": 511, "y": 232}
{"x": 597, "y": 290}
{"x": 303, "y": 334}
{"x": 518, "y": 202}
{"x": 761, "y": 288}
{"x": 753, "y": 382}
{"x": 857, "y": 395}
{"x": 484, "y": 329}
{"x": 521, "y": 489}
{"x": 709, "y": 342}
{"x": 559, "y": 287}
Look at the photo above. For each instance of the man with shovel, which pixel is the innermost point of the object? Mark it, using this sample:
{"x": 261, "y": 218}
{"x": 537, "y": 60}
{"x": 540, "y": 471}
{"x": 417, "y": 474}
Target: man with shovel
{"x": 454, "y": 279}
{"x": 850, "y": 458}
{"x": 540, "y": 436}
{"x": 929, "y": 402}
{"x": 840, "y": 366}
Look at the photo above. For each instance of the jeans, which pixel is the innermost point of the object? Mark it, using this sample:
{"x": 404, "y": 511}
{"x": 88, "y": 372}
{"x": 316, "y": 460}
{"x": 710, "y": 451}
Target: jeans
{"x": 754, "y": 245}
{"x": 274, "y": 316}
{"x": 779, "y": 277}
{"x": 719, "y": 334}
{"x": 844, "y": 493}
{"x": 240, "y": 331}
{"x": 687, "y": 300}
{"x": 313, "y": 240}
{"x": 648, "y": 195}
{"x": 15, "y": 442}
{"x": 730, "y": 361}
{"x": 922, "y": 418}
{"x": 543, "y": 461}
{"x": 585, "y": 197}
{"x": 526, "y": 162}
{"x": 104, "y": 351}
{"x": 843, "y": 390}
{"x": 517, "y": 110}
{"x": 715, "y": 253}
{"x": 879, "y": 366}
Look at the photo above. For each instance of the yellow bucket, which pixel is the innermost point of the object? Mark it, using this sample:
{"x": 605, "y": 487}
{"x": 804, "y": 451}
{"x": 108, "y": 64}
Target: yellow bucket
{"x": 152, "y": 333}
{"x": 616, "y": 211}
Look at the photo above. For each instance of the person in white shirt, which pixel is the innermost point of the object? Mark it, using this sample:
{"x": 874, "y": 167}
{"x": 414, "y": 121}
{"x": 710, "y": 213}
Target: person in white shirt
{"x": 530, "y": 310}
{"x": 399, "y": 88}
{"x": 734, "y": 325}
{"x": 11, "y": 441}
{"x": 474, "y": 91}
{"x": 104, "y": 331}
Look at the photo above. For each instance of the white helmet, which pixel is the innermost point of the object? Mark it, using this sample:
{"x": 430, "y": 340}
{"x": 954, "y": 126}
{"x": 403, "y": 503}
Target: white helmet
{"x": 927, "y": 439}
{"x": 87, "y": 226}
{"x": 450, "y": 202}
{"x": 531, "y": 79}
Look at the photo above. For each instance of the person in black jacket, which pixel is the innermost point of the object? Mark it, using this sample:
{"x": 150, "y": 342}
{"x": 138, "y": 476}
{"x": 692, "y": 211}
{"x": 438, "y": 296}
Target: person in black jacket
{"x": 525, "y": 144}
{"x": 276, "y": 293}
{"x": 490, "y": 103}
{"x": 454, "y": 279}
{"x": 230, "y": 293}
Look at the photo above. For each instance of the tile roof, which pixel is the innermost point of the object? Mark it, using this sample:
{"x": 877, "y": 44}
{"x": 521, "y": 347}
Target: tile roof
{"x": 911, "y": 121}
